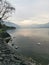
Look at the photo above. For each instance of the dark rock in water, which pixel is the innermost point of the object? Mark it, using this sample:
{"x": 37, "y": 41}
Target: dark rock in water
{"x": 16, "y": 47}
{"x": 16, "y": 58}
{"x": 12, "y": 44}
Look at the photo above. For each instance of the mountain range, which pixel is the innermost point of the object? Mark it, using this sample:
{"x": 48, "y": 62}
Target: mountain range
{"x": 10, "y": 24}
{"x": 46, "y": 25}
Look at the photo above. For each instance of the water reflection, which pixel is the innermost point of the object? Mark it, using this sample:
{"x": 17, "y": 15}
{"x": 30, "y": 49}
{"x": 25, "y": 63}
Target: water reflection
{"x": 33, "y": 43}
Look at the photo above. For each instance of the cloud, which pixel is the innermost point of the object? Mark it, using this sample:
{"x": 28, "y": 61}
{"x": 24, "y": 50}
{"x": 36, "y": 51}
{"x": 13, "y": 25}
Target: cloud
{"x": 31, "y": 11}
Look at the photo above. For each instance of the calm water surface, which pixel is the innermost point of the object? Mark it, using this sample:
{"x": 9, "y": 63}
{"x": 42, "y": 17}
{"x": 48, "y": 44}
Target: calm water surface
{"x": 32, "y": 43}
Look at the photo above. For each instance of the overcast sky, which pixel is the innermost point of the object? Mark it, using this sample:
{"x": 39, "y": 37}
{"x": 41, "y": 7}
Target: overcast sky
{"x": 30, "y": 12}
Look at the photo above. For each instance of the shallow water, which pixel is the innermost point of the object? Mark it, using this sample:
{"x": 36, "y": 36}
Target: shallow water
{"x": 32, "y": 43}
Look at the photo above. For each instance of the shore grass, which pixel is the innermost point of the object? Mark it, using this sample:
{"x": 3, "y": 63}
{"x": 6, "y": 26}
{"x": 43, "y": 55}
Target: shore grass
{"x": 1, "y": 30}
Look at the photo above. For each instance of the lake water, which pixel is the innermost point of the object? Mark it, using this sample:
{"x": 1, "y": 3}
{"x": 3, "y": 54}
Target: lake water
{"x": 32, "y": 43}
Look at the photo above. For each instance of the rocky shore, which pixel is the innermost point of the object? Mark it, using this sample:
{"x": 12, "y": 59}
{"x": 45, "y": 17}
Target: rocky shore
{"x": 8, "y": 56}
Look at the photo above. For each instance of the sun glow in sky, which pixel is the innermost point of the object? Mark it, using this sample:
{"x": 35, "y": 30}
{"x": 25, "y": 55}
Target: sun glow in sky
{"x": 30, "y": 12}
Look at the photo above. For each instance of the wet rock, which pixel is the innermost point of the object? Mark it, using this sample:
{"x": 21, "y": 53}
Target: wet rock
{"x": 5, "y": 35}
{"x": 0, "y": 63}
{"x": 17, "y": 58}
{"x": 0, "y": 52}
{"x": 1, "y": 59}
{"x": 7, "y": 52}
{"x": 22, "y": 63}
{"x": 12, "y": 44}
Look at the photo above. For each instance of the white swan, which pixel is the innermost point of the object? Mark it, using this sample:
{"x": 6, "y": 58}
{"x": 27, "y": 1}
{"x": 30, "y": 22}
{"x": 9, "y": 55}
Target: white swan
{"x": 38, "y": 43}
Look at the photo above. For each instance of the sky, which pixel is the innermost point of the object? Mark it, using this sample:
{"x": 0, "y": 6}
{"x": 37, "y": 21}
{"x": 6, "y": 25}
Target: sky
{"x": 30, "y": 12}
